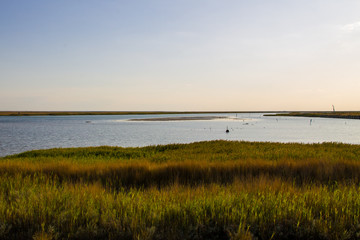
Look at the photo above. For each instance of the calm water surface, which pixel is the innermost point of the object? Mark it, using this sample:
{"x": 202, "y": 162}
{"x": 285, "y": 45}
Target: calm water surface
{"x": 19, "y": 134}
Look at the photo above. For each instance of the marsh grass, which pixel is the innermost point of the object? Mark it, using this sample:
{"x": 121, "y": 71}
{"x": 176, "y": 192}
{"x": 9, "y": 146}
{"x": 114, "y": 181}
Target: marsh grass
{"x": 145, "y": 174}
{"x": 208, "y": 190}
{"x": 72, "y": 113}
{"x": 326, "y": 114}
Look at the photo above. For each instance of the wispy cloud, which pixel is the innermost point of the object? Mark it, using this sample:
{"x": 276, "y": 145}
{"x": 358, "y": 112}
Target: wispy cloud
{"x": 352, "y": 27}
{"x": 348, "y": 38}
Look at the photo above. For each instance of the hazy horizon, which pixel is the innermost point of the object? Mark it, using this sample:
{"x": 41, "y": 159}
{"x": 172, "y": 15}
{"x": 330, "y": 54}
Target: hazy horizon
{"x": 205, "y": 55}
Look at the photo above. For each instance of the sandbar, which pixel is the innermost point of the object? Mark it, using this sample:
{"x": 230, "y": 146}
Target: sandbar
{"x": 179, "y": 118}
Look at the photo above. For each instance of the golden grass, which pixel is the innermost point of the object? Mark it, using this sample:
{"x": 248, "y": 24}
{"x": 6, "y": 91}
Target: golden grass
{"x": 147, "y": 174}
{"x": 208, "y": 190}
{"x": 258, "y": 207}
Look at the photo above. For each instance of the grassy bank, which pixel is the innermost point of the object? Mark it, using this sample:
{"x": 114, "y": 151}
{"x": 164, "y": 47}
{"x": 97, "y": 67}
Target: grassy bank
{"x": 64, "y": 113}
{"x": 207, "y": 190}
{"x": 347, "y": 115}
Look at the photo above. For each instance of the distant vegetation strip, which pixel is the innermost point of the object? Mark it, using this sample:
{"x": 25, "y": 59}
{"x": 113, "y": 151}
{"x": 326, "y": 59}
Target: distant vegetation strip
{"x": 64, "y": 113}
{"x": 204, "y": 190}
{"x": 347, "y": 115}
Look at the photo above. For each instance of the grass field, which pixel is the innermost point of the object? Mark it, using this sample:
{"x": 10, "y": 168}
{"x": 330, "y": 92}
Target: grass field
{"x": 206, "y": 190}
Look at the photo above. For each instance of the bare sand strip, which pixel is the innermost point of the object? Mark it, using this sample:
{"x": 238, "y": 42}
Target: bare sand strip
{"x": 179, "y": 118}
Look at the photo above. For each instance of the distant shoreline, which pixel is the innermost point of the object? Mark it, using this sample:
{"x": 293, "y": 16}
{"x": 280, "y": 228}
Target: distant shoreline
{"x": 321, "y": 114}
{"x": 344, "y": 115}
{"x": 66, "y": 113}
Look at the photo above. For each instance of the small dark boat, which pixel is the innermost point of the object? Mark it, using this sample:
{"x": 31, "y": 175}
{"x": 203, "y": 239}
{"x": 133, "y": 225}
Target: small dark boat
{"x": 227, "y": 130}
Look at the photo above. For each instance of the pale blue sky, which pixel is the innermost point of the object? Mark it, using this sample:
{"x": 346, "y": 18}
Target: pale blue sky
{"x": 179, "y": 55}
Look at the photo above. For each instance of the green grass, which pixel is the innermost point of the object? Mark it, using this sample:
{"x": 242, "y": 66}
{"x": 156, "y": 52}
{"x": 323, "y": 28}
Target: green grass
{"x": 206, "y": 190}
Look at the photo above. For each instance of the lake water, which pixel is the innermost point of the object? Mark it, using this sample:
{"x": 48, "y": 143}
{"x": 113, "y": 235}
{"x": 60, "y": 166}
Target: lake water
{"x": 19, "y": 134}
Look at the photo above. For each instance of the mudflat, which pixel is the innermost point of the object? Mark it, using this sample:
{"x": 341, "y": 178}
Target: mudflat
{"x": 180, "y": 118}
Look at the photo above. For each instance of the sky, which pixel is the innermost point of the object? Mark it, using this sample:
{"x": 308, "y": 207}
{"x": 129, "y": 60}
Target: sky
{"x": 179, "y": 55}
